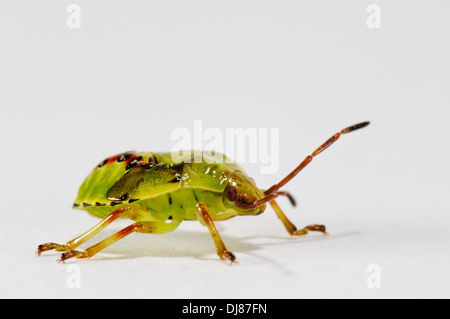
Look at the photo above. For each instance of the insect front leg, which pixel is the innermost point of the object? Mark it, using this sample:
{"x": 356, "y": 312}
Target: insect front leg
{"x": 87, "y": 235}
{"x": 222, "y": 251}
{"x": 292, "y": 230}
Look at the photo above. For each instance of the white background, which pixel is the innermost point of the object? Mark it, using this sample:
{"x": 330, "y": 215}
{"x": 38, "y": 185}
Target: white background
{"x": 137, "y": 70}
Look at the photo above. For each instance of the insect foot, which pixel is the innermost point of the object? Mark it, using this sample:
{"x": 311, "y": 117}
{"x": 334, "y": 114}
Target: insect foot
{"x": 73, "y": 253}
{"x": 50, "y": 246}
{"x": 230, "y": 256}
{"x": 304, "y": 231}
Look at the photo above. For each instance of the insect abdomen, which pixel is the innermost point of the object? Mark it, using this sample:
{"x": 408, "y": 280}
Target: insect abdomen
{"x": 95, "y": 187}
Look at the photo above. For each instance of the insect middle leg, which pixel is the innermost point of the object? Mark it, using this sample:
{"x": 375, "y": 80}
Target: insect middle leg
{"x": 123, "y": 211}
{"x": 292, "y": 230}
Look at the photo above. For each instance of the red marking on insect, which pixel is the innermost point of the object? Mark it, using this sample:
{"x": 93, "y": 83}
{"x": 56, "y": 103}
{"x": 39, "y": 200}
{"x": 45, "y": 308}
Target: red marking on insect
{"x": 112, "y": 159}
{"x": 123, "y": 157}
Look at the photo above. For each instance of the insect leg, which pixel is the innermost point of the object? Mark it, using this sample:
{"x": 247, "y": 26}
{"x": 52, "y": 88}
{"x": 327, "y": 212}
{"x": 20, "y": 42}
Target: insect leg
{"x": 84, "y": 237}
{"x": 292, "y": 230}
{"x": 139, "y": 227}
{"x": 222, "y": 251}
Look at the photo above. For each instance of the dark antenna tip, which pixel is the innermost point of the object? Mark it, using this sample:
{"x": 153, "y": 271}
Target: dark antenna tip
{"x": 292, "y": 200}
{"x": 354, "y": 127}
{"x": 289, "y": 196}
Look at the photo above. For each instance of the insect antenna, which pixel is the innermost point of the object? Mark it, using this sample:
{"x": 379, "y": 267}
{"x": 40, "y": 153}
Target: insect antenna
{"x": 274, "y": 192}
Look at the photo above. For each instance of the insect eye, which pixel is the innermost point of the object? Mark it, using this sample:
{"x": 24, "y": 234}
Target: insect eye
{"x": 232, "y": 194}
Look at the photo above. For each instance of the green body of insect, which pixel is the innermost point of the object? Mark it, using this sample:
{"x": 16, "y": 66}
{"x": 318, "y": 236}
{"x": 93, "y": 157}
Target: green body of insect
{"x": 160, "y": 190}
{"x": 166, "y": 188}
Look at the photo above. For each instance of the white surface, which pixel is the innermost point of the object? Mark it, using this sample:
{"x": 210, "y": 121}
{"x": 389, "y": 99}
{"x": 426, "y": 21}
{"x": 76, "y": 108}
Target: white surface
{"x": 133, "y": 73}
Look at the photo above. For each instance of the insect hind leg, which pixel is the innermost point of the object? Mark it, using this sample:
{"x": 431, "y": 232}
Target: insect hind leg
{"x": 148, "y": 227}
{"x": 123, "y": 211}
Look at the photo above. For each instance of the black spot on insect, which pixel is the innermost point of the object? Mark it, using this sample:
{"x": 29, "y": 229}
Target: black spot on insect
{"x": 124, "y": 197}
{"x": 124, "y": 156}
{"x": 195, "y": 196}
{"x": 152, "y": 160}
{"x": 75, "y": 205}
{"x": 99, "y": 204}
{"x": 132, "y": 200}
{"x": 86, "y": 205}
{"x": 114, "y": 203}
{"x": 170, "y": 200}
{"x": 169, "y": 220}
{"x": 134, "y": 162}
{"x": 103, "y": 163}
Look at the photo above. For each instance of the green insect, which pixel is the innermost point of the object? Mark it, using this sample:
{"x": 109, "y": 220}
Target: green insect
{"x": 159, "y": 190}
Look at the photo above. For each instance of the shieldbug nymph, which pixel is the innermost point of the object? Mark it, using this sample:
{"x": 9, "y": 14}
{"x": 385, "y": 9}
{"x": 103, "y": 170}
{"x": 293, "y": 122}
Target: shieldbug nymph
{"x": 158, "y": 193}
